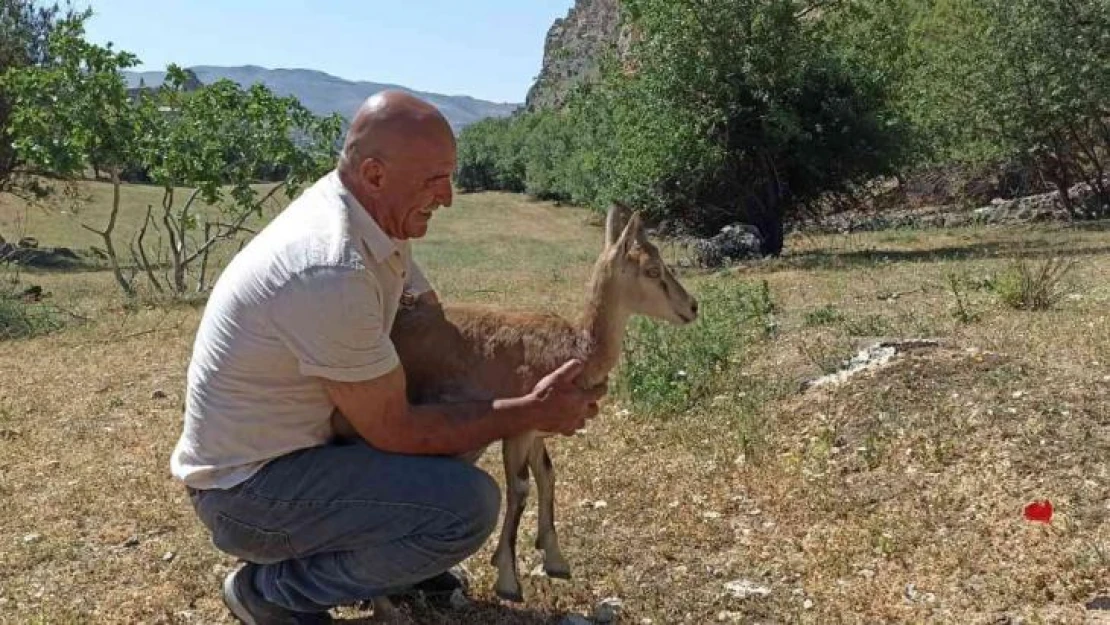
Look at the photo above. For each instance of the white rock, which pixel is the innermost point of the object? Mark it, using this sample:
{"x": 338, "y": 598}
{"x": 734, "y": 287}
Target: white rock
{"x": 32, "y": 538}
{"x": 600, "y": 503}
{"x": 608, "y": 610}
{"x": 169, "y": 555}
{"x": 808, "y": 605}
{"x": 743, "y": 589}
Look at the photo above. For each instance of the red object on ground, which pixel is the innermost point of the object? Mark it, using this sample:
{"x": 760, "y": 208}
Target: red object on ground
{"x": 1040, "y": 511}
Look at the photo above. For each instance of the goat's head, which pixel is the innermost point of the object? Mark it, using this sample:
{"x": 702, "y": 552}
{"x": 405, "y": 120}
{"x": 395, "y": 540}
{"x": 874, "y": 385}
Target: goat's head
{"x": 644, "y": 283}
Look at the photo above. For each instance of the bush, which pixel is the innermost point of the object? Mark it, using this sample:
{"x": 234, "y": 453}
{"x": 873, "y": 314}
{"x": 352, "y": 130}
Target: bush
{"x": 21, "y": 317}
{"x": 667, "y": 369}
{"x": 1034, "y": 286}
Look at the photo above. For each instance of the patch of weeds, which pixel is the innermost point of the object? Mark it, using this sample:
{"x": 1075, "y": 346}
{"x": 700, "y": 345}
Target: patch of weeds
{"x": 867, "y": 325}
{"x": 23, "y": 316}
{"x": 667, "y": 369}
{"x": 963, "y": 312}
{"x": 823, "y": 316}
{"x": 827, "y": 356}
{"x": 1034, "y": 286}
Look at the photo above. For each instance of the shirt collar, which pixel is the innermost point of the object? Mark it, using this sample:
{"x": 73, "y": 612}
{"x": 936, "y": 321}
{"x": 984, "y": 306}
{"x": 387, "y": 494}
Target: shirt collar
{"x": 381, "y": 245}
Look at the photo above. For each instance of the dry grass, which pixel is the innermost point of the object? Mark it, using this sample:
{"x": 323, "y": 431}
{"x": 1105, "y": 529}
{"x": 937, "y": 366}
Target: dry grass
{"x": 896, "y": 498}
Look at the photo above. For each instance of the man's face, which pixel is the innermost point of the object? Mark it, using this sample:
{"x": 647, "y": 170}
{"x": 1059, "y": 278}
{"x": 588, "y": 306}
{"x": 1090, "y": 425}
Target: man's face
{"x": 416, "y": 183}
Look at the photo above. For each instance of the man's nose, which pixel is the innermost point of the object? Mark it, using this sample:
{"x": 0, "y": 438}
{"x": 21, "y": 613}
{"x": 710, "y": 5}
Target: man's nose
{"x": 446, "y": 194}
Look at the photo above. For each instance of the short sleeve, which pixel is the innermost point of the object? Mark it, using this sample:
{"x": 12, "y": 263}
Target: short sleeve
{"x": 332, "y": 320}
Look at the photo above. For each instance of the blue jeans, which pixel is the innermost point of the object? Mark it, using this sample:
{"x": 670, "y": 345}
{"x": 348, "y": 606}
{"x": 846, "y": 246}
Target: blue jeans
{"x": 344, "y": 523}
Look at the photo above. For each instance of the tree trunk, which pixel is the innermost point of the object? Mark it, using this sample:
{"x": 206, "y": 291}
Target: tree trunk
{"x": 106, "y": 235}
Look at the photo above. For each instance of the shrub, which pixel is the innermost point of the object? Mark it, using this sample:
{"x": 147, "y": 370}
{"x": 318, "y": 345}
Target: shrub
{"x": 667, "y": 369}
{"x": 1034, "y": 286}
{"x": 23, "y": 318}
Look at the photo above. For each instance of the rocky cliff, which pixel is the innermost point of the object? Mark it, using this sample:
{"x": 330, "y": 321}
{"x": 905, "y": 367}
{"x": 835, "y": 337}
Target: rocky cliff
{"x": 572, "y": 49}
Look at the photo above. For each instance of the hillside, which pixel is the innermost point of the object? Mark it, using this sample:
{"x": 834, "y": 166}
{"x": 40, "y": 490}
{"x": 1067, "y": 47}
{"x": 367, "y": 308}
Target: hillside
{"x": 325, "y": 94}
{"x": 572, "y": 48}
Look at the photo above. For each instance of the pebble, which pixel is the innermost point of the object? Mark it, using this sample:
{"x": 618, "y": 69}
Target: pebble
{"x": 608, "y": 610}
{"x": 32, "y": 538}
{"x": 169, "y": 555}
{"x": 743, "y": 589}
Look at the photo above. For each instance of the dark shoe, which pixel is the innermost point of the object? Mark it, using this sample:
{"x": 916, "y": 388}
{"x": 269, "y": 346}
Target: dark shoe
{"x": 247, "y": 605}
{"x": 435, "y": 591}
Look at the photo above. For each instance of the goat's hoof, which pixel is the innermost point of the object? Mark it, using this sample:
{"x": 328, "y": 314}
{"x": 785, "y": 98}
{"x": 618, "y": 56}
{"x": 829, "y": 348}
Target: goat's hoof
{"x": 557, "y": 572}
{"x": 514, "y": 596}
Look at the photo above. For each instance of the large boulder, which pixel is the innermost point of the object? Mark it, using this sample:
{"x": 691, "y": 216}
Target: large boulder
{"x": 735, "y": 242}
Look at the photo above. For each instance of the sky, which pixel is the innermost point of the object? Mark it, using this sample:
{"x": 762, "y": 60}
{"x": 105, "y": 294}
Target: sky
{"x": 488, "y": 49}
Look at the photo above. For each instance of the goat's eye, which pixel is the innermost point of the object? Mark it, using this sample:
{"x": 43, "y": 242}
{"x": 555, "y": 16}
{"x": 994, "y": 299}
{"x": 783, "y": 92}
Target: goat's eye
{"x": 654, "y": 273}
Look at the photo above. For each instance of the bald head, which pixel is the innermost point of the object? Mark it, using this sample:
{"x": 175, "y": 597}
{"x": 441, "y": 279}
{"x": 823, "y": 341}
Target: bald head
{"x": 388, "y": 123}
{"x": 398, "y": 159}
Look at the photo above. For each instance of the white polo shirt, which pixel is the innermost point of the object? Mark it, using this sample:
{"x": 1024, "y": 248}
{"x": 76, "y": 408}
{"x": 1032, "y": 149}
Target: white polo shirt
{"x": 312, "y": 296}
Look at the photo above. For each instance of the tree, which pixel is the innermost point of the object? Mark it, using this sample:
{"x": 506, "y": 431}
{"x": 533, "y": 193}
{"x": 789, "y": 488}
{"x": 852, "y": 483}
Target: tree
{"x": 72, "y": 109}
{"x": 217, "y": 140}
{"x": 25, "y": 28}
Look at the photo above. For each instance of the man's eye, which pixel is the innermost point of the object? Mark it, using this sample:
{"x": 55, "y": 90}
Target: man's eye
{"x": 654, "y": 273}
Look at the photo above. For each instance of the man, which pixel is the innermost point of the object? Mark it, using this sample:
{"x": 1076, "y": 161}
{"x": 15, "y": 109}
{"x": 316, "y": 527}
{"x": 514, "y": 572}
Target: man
{"x": 297, "y": 327}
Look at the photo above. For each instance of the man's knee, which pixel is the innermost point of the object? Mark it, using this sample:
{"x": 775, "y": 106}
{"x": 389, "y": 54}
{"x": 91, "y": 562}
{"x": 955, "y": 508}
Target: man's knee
{"x": 477, "y": 502}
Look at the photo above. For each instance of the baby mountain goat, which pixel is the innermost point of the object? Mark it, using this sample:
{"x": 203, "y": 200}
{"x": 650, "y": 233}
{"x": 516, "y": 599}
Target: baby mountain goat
{"x": 456, "y": 353}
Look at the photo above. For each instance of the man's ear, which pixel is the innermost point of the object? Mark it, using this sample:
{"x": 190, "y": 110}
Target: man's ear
{"x": 373, "y": 173}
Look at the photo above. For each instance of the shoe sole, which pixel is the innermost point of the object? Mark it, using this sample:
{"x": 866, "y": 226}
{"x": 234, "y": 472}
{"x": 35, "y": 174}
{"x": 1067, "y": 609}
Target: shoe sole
{"x": 231, "y": 600}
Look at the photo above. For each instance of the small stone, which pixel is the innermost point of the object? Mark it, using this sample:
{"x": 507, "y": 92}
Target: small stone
{"x": 169, "y": 555}
{"x": 808, "y": 605}
{"x": 743, "y": 589}
{"x": 158, "y": 394}
{"x": 32, "y": 538}
{"x": 608, "y": 610}
{"x": 538, "y": 571}
{"x": 711, "y": 515}
{"x": 458, "y": 599}
{"x": 646, "y": 621}
{"x": 133, "y": 541}
{"x": 600, "y": 503}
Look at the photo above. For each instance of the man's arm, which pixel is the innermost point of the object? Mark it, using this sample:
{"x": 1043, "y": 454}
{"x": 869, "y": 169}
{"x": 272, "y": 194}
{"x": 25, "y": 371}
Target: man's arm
{"x": 379, "y": 411}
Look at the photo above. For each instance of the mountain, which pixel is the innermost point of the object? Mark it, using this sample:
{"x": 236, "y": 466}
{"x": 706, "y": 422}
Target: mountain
{"x": 573, "y": 47}
{"x": 325, "y": 94}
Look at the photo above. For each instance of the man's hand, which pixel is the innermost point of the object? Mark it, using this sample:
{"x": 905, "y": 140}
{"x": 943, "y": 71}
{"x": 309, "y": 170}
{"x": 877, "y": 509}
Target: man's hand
{"x": 561, "y": 406}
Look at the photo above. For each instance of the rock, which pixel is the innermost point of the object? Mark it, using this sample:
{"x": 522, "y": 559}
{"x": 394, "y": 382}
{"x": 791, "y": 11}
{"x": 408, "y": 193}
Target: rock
{"x": 608, "y": 610}
{"x": 32, "y": 538}
{"x": 158, "y": 394}
{"x": 132, "y": 541}
{"x": 735, "y": 242}
{"x": 744, "y": 589}
{"x": 574, "y": 619}
{"x": 28, "y": 242}
{"x": 458, "y": 599}
{"x": 808, "y": 604}
{"x": 168, "y": 556}
{"x": 870, "y": 358}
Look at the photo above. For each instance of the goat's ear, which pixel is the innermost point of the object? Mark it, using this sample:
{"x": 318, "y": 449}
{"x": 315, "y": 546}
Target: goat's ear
{"x": 614, "y": 223}
{"x": 633, "y": 232}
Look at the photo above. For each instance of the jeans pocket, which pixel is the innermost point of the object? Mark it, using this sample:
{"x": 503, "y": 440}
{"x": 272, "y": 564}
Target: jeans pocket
{"x": 253, "y": 544}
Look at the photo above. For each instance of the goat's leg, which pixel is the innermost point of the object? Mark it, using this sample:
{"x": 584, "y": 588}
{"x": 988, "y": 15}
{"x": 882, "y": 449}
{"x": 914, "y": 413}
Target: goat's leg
{"x": 546, "y": 539}
{"x": 514, "y": 452}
